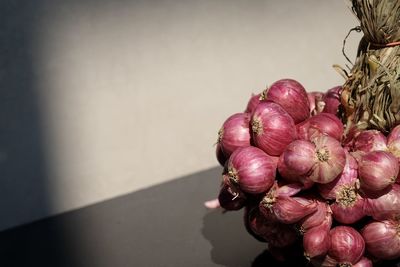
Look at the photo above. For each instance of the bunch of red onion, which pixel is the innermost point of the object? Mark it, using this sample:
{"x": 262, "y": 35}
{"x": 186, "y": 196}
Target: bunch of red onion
{"x": 306, "y": 186}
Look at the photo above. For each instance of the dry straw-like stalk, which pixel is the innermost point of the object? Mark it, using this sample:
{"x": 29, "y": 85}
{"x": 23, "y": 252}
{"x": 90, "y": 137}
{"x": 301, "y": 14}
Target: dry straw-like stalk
{"x": 371, "y": 94}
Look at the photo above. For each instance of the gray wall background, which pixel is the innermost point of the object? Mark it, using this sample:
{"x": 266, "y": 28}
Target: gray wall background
{"x": 101, "y": 98}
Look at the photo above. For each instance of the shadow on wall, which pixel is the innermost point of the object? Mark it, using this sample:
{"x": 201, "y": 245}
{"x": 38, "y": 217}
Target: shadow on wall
{"x": 22, "y": 157}
{"x": 24, "y": 191}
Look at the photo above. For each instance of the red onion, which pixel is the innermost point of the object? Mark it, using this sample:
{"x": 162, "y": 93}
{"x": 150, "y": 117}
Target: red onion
{"x": 370, "y": 140}
{"x": 329, "y": 158}
{"x": 393, "y": 141}
{"x": 234, "y": 133}
{"x": 284, "y": 208}
{"x": 382, "y": 239}
{"x": 364, "y": 262}
{"x": 332, "y": 100}
{"x": 349, "y": 206}
{"x": 221, "y": 157}
{"x": 347, "y": 178}
{"x": 252, "y": 169}
{"x": 296, "y": 160}
{"x": 292, "y": 96}
{"x": 322, "y": 216}
{"x": 275, "y": 233}
{"x": 273, "y": 128}
{"x": 230, "y": 197}
{"x": 316, "y": 102}
{"x": 286, "y": 190}
{"x": 324, "y": 123}
{"x": 385, "y": 206}
{"x": 280, "y": 235}
{"x": 377, "y": 170}
{"x": 253, "y": 102}
{"x": 347, "y": 245}
{"x": 255, "y": 222}
{"x": 316, "y": 241}
{"x": 349, "y": 137}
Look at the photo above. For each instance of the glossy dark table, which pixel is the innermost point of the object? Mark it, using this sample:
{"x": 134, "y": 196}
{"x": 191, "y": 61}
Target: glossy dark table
{"x": 165, "y": 225}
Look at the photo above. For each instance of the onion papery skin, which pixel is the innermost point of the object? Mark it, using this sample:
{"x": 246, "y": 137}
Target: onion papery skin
{"x": 316, "y": 241}
{"x": 322, "y": 215}
{"x": 296, "y": 160}
{"x": 377, "y": 170}
{"x": 230, "y": 197}
{"x": 273, "y": 128}
{"x": 382, "y": 239}
{"x": 235, "y": 133}
{"x": 347, "y": 178}
{"x": 364, "y": 262}
{"x": 349, "y": 137}
{"x": 316, "y": 102}
{"x": 393, "y": 141}
{"x": 252, "y": 169}
{"x": 385, "y": 206}
{"x": 221, "y": 157}
{"x": 370, "y": 140}
{"x": 332, "y": 100}
{"x": 329, "y": 158}
{"x": 393, "y": 144}
{"x": 291, "y": 177}
{"x": 324, "y": 123}
{"x": 292, "y": 96}
{"x": 253, "y": 103}
{"x": 347, "y": 245}
{"x": 348, "y": 212}
{"x": 286, "y": 190}
{"x": 286, "y": 209}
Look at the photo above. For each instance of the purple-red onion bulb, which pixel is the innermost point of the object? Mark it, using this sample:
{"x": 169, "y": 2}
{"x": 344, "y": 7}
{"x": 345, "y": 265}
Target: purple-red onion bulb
{"x": 284, "y": 207}
{"x": 349, "y": 177}
{"x": 296, "y": 160}
{"x": 370, "y": 140}
{"x": 252, "y": 169}
{"x": 347, "y": 245}
{"x": 292, "y": 96}
{"x": 322, "y": 216}
{"x": 263, "y": 228}
{"x": 377, "y": 170}
{"x": 329, "y": 158}
{"x": 317, "y": 241}
{"x": 323, "y": 123}
{"x": 382, "y": 239}
{"x": 273, "y": 128}
{"x": 253, "y": 103}
{"x": 364, "y": 262}
{"x": 234, "y": 133}
{"x": 221, "y": 157}
{"x": 393, "y": 141}
{"x": 316, "y": 102}
{"x": 393, "y": 144}
{"x": 230, "y": 197}
{"x": 349, "y": 206}
{"x": 332, "y": 100}
{"x": 385, "y": 206}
